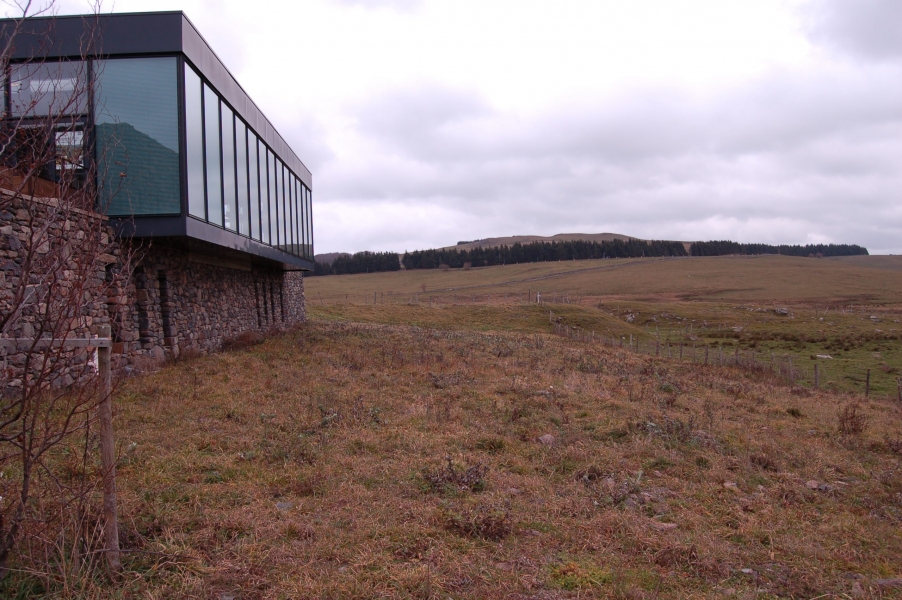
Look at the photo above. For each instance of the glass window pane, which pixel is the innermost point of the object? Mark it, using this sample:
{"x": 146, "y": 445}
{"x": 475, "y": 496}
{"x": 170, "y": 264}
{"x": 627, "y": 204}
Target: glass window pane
{"x": 49, "y": 88}
{"x": 265, "y": 192}
{"x": 283, "y": 223}
{"x": 273, "y": 200}
{"x": 306, "y": 222}
{"x": 195, "y": 143}
{"x": 214, "y": 164}
{"x": 309, "y": 224}
{"x": 297, "y": 217}
{"x": 136, "y": 116}
{"x": 230, "y": 203}
{"x": 244, "y": 226}
{"x": 254, "y": 181}
{"x": 289, "y": 212}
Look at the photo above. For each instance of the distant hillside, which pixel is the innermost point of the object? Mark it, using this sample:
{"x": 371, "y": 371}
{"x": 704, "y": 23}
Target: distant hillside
{"x": 328, "y": 258}
{"x": 528, "y": 239}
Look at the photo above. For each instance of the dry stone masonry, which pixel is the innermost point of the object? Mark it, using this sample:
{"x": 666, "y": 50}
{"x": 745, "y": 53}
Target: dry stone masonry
{"x": 175, "y": 301}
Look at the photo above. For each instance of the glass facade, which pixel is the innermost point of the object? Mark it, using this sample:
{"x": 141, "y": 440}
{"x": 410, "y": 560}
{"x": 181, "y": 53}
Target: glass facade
{"x": 248, "y": 188}
{"x": 136, "y": 124}
{"x": 161, "y": 146}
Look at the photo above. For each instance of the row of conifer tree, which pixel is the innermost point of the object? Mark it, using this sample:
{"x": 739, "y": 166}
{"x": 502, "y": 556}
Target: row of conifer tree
{"x": 372, "y": 262}
{"x": 725, "y": 247}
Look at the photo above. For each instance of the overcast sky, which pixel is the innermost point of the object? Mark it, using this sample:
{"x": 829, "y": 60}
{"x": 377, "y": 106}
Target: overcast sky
{"x": 426, "y": 122}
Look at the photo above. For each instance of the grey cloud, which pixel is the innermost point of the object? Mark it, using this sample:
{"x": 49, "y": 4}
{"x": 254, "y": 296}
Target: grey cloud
{"x": 870, "y": 29}
{"x": 783, "y": 159}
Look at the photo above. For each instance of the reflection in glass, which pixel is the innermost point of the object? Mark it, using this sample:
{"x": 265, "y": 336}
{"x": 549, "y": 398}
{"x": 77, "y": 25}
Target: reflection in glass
{"x": 214, "y": 173}
{"x": 273, "y": 199}
{"x": 283, "y": 222}
{"x": 290, "y": 211}
{"x": 297, "y": 214}
{"x": 254, "y": 181}
{"x": 309, "y": 252}
{"x": 230, "y": 202}
{"x": 241, "y": 161}
{"x": 136, "y": 116}
{"x": 194, "y": 143}
{"x": 49, "y": 88}
{"x": 265, "y": 192}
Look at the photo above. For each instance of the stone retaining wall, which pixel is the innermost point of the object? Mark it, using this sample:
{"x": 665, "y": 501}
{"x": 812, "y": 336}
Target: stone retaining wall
{"x": 179, "y": 301}
{"x": 175, "y": 301}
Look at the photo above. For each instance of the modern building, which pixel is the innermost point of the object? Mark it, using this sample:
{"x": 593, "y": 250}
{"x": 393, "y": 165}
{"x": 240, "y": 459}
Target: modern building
{"x": 185, "y": 165}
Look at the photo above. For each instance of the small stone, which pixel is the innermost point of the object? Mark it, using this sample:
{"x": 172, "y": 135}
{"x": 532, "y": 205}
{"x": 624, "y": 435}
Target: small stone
{"x": 547, "y": 440}
{"x": 284, "y": 505}
{"x": 663, "y": 526}
{"x": 857, "y": 592}
{"x": 888, "y": 583}
{"x": 812, "y": 484}
{"x": 657, "y": 474}
{"x": 630, "y": 504}
{"x": 514, "y": 491}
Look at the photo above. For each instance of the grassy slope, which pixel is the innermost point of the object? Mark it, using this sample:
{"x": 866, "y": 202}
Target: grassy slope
{"x": 293, "y": 469}
{"x": 722, "y": 301}
{"x": 759, "y": 279}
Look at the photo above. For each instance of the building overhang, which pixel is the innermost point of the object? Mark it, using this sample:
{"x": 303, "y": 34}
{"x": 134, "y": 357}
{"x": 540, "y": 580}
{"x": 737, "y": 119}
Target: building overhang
{"x": 194, "y": 235}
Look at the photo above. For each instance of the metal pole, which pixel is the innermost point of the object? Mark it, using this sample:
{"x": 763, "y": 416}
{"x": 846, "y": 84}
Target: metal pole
{"x": 108, "y": 454}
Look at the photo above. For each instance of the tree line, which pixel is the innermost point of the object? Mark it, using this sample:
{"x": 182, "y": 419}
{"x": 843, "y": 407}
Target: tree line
{"x": 723, "y": 248}
{"x": 453, "y": 258}
{"x": 539, "y": 252}
{"x": 361, "y": 262}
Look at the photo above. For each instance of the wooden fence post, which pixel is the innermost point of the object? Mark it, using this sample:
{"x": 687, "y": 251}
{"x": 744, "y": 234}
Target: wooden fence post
{"x": 867, "y": 384}
{"x": 817, "y": 377}
{"x": 108, "y": 454}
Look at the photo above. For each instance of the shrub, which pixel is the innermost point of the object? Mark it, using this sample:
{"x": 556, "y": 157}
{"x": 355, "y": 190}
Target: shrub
{"x": 851, "y": 421}
{"x": 488, "y": 521}
{"x": 452, "y": 478}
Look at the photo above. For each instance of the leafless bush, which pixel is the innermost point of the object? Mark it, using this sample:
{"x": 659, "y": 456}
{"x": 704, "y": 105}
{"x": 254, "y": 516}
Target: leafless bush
{"x": 489, "y": 521}
{"x": 66, "y": 266}
{"x": 452, "y": 478}
{"x": 851, "y": 421}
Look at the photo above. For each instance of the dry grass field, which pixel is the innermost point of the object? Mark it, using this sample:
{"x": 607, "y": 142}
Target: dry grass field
{"x": 873, "y": 280}
{"x": 848, "y": 309}
{"x": 440, "y": 450}
{"x": 367, "y": 461}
